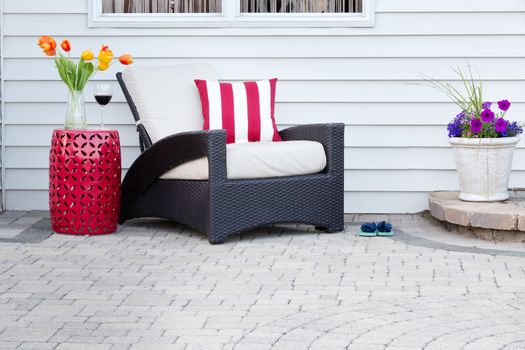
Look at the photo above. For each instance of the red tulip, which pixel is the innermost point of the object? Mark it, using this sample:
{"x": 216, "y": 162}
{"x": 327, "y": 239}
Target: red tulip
{"x": 65, "y": 45}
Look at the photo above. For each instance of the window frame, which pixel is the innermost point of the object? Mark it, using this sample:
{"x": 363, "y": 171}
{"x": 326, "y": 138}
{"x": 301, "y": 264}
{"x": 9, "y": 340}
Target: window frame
{"x": 231, "y": 17}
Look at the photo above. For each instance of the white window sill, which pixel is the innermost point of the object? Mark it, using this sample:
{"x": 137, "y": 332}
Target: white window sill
{"x": 232, "y": 19}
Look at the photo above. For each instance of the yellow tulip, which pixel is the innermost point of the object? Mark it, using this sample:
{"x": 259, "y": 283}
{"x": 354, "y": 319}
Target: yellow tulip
{"x": 87, "y": 55}
{"x": 106, "y": 58}
{"x": 102, "y": 66}
{"x": 105, "y": 55}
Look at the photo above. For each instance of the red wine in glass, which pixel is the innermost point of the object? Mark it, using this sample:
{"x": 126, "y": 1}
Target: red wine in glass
{"x": 103, "y": 99}
{"x": 103, "y": 94}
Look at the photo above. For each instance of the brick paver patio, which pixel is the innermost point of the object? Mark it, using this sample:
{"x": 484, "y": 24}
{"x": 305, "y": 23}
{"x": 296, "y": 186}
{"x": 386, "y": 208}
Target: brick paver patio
{"x": 156, "y": 285}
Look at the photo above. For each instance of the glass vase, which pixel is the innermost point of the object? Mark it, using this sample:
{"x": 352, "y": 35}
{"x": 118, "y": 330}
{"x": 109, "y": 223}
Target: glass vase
{"x": 75, "y": 112}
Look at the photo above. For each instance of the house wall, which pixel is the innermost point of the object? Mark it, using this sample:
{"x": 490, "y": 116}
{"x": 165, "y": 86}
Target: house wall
{"x": 396, "y": 147}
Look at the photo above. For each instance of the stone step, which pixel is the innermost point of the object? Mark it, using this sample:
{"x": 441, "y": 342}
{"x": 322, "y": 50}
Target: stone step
{"x": 507, "y": 215}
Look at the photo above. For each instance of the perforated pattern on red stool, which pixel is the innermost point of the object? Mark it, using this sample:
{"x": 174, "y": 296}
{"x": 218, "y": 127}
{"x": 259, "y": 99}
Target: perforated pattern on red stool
{"x": 84, "y": 181}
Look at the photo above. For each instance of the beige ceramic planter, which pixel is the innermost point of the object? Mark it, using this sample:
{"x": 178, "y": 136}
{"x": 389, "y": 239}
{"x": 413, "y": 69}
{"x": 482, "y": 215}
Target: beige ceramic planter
{"x": 484, "y": 167}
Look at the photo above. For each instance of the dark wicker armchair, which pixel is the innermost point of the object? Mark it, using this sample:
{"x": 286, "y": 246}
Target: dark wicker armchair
{"x": 220, "y": 206}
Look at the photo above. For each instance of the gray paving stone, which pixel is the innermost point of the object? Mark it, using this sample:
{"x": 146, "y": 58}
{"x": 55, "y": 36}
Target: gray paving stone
{"x": 121, "y": 346}
{"x": 36, "y": 346}
{"x": 147, "y": 346}
{"x": 25, "y": 334}
{"x": 82, "y": 346}
{"x": 158, "y": 285}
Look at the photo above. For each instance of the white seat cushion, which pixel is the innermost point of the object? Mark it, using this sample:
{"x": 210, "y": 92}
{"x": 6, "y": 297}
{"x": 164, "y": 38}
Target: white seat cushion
{"x": 166, "y": 97}
{"x": 259, "y": 160}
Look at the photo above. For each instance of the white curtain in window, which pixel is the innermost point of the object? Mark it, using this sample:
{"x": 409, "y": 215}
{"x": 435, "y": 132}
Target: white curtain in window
{"x": 162, "y": 6}
{"x": 301, "y": 6}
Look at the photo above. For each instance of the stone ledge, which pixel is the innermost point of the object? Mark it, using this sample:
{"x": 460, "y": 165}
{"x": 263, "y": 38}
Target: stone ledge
{"x": 504, "y": 216}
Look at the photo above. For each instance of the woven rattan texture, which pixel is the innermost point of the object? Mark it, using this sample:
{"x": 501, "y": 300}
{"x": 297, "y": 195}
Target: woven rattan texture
{"x": 220, "y": 207}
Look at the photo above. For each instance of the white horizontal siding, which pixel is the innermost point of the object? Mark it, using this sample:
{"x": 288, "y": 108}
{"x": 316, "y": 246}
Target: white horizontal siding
{"x": 289, "y": 91}
{"x": 311, "y": 69}
{"x": 328, "y": 46}
{"x": 387, "y": 24}
{"x": 352, "y": 113}
{"x": 364, "y": 136}
{"x": 369, "y": 78}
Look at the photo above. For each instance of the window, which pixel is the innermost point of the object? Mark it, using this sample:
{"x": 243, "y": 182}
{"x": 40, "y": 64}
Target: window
{"x": 301, "y": 6}
{"x": 161, "y": 6}
{"x": 231, "y": 13}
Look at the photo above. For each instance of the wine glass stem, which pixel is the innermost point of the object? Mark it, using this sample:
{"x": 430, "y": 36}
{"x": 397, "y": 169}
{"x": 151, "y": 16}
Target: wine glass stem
{"x": 102, "y": 117}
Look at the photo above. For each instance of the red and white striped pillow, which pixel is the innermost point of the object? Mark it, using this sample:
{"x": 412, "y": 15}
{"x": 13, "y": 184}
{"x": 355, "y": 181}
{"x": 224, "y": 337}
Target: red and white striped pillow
{"x": 244, "y": 109}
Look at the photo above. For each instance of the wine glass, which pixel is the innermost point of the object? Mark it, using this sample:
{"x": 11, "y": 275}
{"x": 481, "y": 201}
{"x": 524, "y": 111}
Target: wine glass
{"x": 103, "y": 94}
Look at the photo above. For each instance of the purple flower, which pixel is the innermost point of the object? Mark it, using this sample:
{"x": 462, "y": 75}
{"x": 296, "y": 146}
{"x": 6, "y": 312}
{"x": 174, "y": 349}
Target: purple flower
{"x": 476, "y": 125}
{"x": 455, "y": 127}
{"x": 513, "y": 129}
{"x": 500, "y": 125}
{"x": 504, "y": 105}
{"x": 486, "y": 105}
{"x": 487, "y": 115}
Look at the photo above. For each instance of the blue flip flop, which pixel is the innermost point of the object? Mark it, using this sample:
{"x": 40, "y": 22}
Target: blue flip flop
{"x": 368, "y": 229}
{"x": 384, "y": 229}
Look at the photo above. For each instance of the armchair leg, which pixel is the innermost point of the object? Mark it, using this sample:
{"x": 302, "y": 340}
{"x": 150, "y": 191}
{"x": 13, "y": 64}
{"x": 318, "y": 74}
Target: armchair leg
{"x": 330, "y": 229}
{"x": 215, "y": 237}
{"x": 216, "y": 240}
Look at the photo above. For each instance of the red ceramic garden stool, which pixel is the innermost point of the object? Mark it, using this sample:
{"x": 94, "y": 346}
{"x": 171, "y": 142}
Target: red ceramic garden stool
{"x": 84, "y": 181}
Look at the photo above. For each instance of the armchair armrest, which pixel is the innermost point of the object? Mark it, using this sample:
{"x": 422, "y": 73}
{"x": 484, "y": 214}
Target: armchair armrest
{"x": 331, "y": 136}
{"x": 173, "y": 151}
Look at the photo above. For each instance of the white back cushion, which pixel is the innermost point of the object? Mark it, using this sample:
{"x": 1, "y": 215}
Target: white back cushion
{"x": 166, "y": 97}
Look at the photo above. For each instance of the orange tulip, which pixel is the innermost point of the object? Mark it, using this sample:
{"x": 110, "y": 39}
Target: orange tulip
{"x": 65, "y": 45}
{"x": 125, "y": 59}
{"x": 50, "y": 52}
{"x": 48, "y": 44}
{"x": 105, "y": 55}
